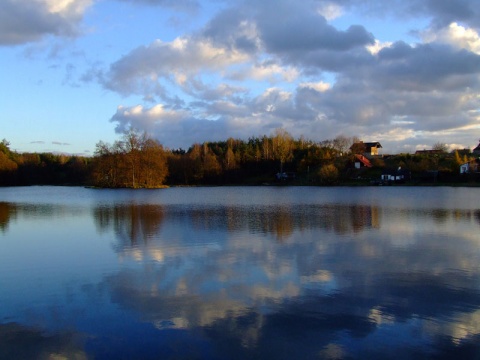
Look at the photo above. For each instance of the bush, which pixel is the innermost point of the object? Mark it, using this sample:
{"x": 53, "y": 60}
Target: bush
{"x": 328, "y": 175}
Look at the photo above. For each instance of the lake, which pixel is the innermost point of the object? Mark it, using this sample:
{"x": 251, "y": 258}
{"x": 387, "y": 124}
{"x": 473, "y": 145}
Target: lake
{"x": 240, "y": 273}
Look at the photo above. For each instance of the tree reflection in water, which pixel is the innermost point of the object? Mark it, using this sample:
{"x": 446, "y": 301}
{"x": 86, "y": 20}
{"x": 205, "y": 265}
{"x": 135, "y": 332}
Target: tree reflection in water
{"x": 238, "y": 279}
{"x": 7, "y": 213}
{"x": 133, "y": 224}
{"x": 319, "y": 277}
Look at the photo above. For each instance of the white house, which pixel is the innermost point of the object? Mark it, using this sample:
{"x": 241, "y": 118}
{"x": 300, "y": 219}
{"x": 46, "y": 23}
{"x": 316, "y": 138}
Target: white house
{"x": 398, "y": 175}
{"x": 470, "y": 167}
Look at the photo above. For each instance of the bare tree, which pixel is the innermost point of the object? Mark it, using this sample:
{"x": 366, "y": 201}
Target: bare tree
{"x": 439, "y": 146}
{"x": 341, "y": 144}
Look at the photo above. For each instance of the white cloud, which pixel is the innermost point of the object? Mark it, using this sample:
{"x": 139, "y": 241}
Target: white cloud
{"x": 455, "y": 35}
{"x": 375, "y": 48}
{"x": 67, "y": 8}
{"x": 330, "y": 10}
{"x": 318, "y": 86}
{"x": 145, "y": 68}
{"x": 244, "y": 72}
{"x": 268, "y": 71}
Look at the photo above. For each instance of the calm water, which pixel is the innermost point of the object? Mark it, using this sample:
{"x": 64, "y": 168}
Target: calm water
{"x": 240, "y": 273}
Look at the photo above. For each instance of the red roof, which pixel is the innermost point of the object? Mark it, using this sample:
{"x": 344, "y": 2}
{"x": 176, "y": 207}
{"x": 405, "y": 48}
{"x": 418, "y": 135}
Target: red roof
{"x": 363, "y": 160}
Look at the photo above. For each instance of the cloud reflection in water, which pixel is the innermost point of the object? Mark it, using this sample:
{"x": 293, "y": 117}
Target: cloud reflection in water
{"x": 238, "y": 280}
{"x": 276, "y": 282}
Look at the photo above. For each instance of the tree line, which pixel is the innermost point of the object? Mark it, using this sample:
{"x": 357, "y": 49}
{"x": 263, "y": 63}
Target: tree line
{"x": 41, "y": 169}
{"x": 139, "y": 161}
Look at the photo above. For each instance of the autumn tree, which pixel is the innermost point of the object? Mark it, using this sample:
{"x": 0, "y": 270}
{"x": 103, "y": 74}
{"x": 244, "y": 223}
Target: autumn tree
{"x": 211, "y": 164}
{"x": 131, "y": 147}
{"x": 8, "y": 167}
{"x": 229, "y": 160}
{"x": 134, "y": 161}
{"x": 328, "y": 174}
{"x": 282, "y": 146}
{"x": 152, "y": 168}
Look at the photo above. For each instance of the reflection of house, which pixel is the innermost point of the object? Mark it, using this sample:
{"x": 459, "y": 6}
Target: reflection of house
{"x": 395, "y": 175}
{"x": 472, "y": 166}
{"x": 362, "y": 161}
{"x": 285, "y": 176}
{"x": 368, "y": 149}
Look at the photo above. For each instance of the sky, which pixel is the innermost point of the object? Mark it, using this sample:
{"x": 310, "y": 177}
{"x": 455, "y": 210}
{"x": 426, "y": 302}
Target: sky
{"x": 404, "y": 73}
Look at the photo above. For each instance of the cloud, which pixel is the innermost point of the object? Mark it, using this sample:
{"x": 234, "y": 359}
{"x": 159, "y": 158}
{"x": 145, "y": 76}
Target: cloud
{"x": 456, "y": 36}
{"x": 146, "y": 69}
{"x": 180, "y": 5}
{"x": 60, "y": 143}
{"x": 444, "y": 13}
{"x": 168, "y": 125}
{"x": 20, "y": 341}
{"x": 246, "y": 72}
{"x": 389, "y": 284}
{"x": 27, "y": 21}
{"x": 330, "y": 10}
{"x": 441, "y": 13}
{"x": 303, "y": 36}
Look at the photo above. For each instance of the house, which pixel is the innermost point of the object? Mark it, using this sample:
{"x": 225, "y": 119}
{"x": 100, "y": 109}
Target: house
{"x": 362, "y": 161}
{"x": 472, "y": 166}
{"x": 476, "y": 151}
{"x": 367, "y": 149}
{"x": 395, "y": 175}
{"x": 462, "y": 152}
{"x": 428, "y": 152}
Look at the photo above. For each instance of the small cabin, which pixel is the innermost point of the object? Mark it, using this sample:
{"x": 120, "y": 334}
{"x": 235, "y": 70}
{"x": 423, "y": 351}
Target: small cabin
{"x": 367, "y": 149}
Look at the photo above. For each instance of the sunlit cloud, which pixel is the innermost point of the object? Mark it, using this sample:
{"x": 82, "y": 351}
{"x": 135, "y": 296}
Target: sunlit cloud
{"x": 28, "y": 21}
{"x": 455, "y": 35}
{"x": 331, "y": 72}
{"x": 319, "y": 86}
{"x": 377, "y": 47}
{"x": 330, "y": 10}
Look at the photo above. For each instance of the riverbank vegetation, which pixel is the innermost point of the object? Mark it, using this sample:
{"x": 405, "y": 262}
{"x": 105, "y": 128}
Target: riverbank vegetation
{"x": 138, "y": 161}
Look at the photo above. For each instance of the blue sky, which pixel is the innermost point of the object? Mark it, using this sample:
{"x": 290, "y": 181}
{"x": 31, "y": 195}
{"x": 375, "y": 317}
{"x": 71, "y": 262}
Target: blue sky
{"x": 74, "y": 72}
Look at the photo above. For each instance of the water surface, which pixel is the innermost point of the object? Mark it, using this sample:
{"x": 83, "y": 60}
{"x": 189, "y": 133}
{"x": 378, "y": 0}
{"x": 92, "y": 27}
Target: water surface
{"x": 240, "y": 272}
